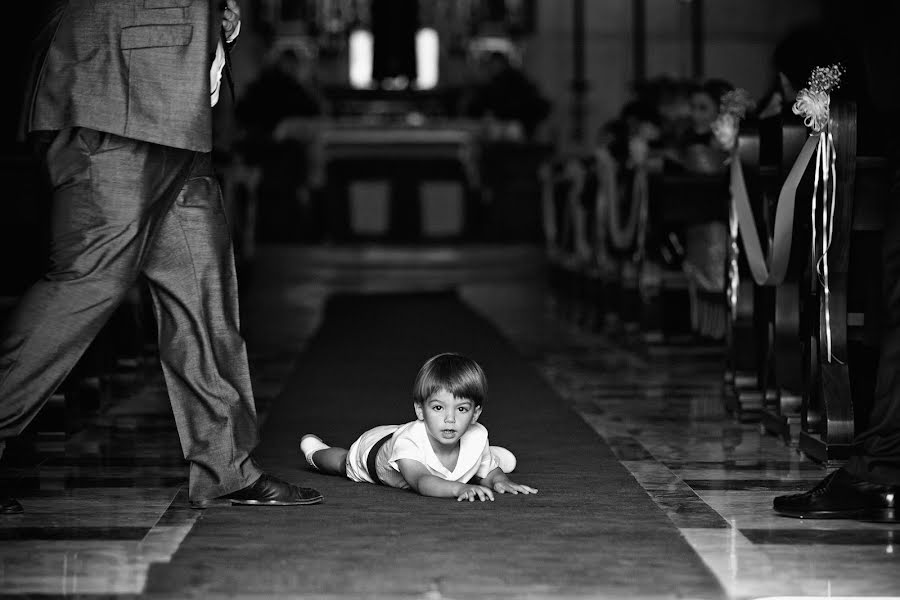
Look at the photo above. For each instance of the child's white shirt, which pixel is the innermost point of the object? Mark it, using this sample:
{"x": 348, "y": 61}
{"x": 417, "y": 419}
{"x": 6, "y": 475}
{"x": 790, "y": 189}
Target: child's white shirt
{"x": 410, "y": 441}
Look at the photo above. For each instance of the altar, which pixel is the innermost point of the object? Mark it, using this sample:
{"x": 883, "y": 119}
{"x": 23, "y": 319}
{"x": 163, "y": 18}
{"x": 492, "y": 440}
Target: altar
{"x": 402, "y": 181}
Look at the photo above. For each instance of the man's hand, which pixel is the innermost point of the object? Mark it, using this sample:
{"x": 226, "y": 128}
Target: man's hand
{"x": 231, "y": 19}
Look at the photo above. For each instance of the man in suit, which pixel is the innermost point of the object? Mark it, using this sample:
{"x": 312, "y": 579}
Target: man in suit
{"x": 119, "y": 110}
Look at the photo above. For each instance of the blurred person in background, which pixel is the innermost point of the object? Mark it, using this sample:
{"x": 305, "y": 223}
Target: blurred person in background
{"x": 503, "y": 93}
{"x": 284, "y": 93}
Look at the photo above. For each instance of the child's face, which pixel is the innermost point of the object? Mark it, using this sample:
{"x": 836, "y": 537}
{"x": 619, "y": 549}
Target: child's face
{"x": 446, "y": 417}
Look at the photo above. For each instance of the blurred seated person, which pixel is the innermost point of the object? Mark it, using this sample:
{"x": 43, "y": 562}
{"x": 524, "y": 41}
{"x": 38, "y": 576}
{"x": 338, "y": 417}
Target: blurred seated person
{"x": 699, "y": 150}
{"x": 505, "y": 96}
{"x": 283, "y": 89}
{"x": 670, "y": 99}
{"x": 792, "y": 62}
{"x": 634, "y": 135}
{"x": 705, "y": 244}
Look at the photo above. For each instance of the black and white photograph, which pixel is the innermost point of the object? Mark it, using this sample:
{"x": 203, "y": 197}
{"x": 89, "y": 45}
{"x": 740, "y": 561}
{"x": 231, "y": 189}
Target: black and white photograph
{"x": 450, "y": 299}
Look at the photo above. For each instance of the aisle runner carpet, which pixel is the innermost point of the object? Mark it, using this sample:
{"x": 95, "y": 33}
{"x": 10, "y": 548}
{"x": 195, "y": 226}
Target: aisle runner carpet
{"x": 590, "y": 532}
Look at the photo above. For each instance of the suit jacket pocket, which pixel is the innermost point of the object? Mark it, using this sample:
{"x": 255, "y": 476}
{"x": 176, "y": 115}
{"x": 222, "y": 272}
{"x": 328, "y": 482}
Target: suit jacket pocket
{"x": 167, "y": 3}
{"x": 156, "y": 36}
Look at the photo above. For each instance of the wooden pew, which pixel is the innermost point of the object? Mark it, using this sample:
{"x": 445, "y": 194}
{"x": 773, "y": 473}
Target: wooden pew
{"x": 596, "y": 220}
{"x": 630, "y": 290}
{"x": 764, "y": 324}
{"x": 594, "y": 280}
{"x": 839, "y": 387}
{"x": 616, "y": 214}
{"x": 557, "y": 223}
{"x": 751, "y": 318}
{"x": 764, "y": 347}
{"x": 817, "y": 353}
{"x": 764, "y": 318}
{"x": 569, "y": 187}
{"x": 678, "y": 201}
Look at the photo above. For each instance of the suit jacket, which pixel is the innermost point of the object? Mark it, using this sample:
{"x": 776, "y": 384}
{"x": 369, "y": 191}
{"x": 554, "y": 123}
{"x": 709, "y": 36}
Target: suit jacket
{"x": 135, "y": 68}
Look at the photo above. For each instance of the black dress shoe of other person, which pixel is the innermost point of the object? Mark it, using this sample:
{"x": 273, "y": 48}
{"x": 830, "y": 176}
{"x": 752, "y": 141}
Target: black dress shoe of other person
{"x": 840, "y": 495}
{"x": 10, "y": 506}
{"x": 266, "y": 491}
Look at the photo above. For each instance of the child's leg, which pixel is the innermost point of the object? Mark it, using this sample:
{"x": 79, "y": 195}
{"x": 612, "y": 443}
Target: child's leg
{"x": 322, "y": 456}
{"x": 331, "y": 460}
{"x": 505, "y": 459}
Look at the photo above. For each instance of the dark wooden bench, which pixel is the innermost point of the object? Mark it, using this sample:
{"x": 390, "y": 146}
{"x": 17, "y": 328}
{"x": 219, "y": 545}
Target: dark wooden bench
{"x": 767, "y": 151}
{"x": 678, "y": 201}
{"x": 764, "y": 351}
{"x": 562, "y": 180}
{"x": 838, "y": 395}
{"x": 813, "y": 398}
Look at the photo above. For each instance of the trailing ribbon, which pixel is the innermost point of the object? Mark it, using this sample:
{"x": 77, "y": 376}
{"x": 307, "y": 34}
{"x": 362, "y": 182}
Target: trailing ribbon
{"x": 640, "y": 201}
{"x": 734, "y": 276}
{"x": 825, "y": 171}
{"x": 770, "y": 270}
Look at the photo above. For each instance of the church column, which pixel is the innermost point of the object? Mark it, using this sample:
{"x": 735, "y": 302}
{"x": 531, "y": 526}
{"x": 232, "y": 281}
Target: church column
{"x": 579, "y": 79}
{"x": 698, "y": 34}
{"x": 639, "y": 40}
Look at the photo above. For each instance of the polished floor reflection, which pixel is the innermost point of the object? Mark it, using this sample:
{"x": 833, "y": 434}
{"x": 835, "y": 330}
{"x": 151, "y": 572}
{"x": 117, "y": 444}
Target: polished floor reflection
{"x": 109, "y": 501}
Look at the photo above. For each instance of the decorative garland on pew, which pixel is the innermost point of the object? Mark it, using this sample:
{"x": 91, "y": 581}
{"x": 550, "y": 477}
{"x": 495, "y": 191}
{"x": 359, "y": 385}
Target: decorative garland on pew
{"x": 561, "y": 229}
{"x": 548, "y": 217}
{"x": 733, "y": 108}
{"x": 632, "y": 233}
{"x": 813, "y": 103}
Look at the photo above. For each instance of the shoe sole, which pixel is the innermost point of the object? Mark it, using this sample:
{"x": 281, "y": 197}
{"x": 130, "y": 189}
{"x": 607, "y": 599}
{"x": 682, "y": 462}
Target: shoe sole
{"x": 819, "y": 514}
{"x": 204, "y": 504}
{"x": 875, "y": 515}
{"x": 304, "y": 502}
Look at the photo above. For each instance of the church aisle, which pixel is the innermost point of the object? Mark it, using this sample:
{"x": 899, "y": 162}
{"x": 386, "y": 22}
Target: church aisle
{"x": 590, "y": 532}
{"x": 101, "y": 513}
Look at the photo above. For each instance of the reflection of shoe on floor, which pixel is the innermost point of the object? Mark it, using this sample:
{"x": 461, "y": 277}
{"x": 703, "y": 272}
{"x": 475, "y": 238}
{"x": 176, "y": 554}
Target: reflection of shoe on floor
{"x": 504, "y": 458}
{"x": 840, "y": 495}
{"x": 266, "y": 491}
{"x": 10, "y": 506}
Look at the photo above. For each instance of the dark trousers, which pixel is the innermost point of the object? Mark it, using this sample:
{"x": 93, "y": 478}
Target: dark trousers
{"x": 878, "y": 448}
{"x": 121, "y": 209}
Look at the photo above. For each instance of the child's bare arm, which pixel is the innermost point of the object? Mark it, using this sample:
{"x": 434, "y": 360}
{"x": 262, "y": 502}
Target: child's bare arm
{"x": 419, "y": 479}
{"x": 499, "y": 482}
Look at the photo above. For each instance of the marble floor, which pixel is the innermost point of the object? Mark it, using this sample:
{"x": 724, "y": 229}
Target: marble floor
{"x": 105, "y": 503}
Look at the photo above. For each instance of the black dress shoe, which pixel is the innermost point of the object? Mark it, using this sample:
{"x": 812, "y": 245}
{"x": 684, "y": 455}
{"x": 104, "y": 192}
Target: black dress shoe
{"x": 10, "y": 506}
{"x": 842, "y": 496}
{"x": 266, "y": 491}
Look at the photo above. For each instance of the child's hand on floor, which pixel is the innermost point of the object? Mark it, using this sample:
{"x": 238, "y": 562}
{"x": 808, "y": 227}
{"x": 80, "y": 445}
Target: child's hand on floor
{"x": 470, "y": 492}
{"x": 504, "y": 487}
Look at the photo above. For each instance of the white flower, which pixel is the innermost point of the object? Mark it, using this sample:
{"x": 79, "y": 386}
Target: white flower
{"x": 638, "y": 150}
{"x": 725, "y": 128}
{"x": 814, "y": 107}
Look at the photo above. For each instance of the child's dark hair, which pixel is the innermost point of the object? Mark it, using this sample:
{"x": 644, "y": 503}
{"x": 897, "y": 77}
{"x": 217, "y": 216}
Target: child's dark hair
{"x": 454, "y": 373}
